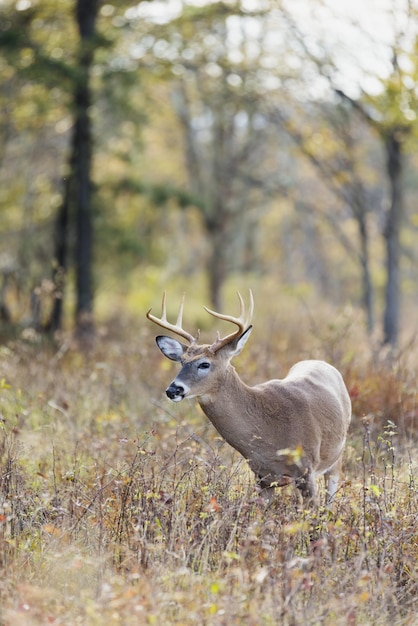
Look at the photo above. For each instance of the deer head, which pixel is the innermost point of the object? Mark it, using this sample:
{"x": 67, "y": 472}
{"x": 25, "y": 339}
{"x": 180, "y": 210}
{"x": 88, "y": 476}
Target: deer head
{"x": 202, "y": 365}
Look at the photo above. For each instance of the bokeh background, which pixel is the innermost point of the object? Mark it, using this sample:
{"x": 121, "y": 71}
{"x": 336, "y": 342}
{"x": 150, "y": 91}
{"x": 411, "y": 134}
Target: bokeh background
{"x": 203, "y": 148}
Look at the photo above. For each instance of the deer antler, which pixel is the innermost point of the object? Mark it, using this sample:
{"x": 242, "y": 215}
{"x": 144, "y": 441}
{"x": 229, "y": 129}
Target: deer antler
{"x": 243, "y": 322}
{"x": 175, "y": 328}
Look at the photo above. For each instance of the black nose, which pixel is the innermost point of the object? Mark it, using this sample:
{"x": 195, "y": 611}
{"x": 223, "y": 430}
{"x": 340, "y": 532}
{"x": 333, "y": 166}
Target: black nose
{"x": 173, "y": 391}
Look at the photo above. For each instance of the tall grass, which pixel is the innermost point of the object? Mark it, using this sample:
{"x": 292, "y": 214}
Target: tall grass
{"x": 117, "y": 507}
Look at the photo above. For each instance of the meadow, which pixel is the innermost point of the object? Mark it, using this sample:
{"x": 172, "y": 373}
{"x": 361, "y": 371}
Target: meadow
{"x": 118, "y": 507}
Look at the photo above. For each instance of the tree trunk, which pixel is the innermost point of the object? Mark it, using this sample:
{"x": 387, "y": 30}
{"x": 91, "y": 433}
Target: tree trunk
{"x": 86, "y": 12}
{"x": 60, "y": 262}
{"x": 62, "y": 245}
{"x": 367, "y": 289}
{"x": 217, "y": 268}
{"x": 74, "y": 216}
{"x": 392, "y": 237}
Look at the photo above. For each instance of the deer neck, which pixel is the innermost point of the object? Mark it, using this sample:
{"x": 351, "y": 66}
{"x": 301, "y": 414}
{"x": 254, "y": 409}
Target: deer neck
{"x": 244, "y": 417}
{"x": 228, "y": 408}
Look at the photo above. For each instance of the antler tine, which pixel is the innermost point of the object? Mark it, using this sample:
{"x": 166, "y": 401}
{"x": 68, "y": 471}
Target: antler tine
{"x": 251, "y": 311}
{"x": 241, "y": 321}
{"x": 175, "y": 328}
{"x": 180, "y": 313}
{"x": 163, "y": 308}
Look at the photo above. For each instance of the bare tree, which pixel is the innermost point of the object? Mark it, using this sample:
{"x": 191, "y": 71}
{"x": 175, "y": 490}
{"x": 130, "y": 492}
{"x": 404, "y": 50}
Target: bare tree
{"x": 217, "y": 93}
{"x": 391, "y": 115}
{"x": 338, "y": 170}
{"x": 218, "y": 157}
{"x": 393, "y": 136}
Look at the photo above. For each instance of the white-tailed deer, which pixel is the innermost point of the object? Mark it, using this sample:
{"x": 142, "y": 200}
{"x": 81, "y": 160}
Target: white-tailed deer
{"x": 289, "y": 430}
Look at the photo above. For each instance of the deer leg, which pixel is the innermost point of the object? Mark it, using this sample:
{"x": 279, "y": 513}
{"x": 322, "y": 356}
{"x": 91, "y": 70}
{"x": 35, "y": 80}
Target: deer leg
{"x": 267, "y": 487}
{"x": 331, "y": 481}
{"x": 307, "y": 486}
{"x": 267, "y": 494}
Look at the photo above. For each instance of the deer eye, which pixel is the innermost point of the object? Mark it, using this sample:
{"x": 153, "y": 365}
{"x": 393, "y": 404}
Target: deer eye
{"x": 203, "y": 366}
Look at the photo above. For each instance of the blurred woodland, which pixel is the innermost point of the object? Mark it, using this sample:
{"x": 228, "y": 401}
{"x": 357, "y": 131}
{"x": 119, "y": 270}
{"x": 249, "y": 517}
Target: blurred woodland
{"x": 204, "y": 147}
{"x": 192, "y": 145}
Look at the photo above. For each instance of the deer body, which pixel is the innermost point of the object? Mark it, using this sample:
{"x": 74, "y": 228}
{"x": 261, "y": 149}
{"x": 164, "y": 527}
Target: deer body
{"x": 289, "y": 430}
{"x": 300, "y": 411}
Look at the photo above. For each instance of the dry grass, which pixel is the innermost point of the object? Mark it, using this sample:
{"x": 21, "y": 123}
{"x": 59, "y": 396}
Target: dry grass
{"x": 117, "y": 507}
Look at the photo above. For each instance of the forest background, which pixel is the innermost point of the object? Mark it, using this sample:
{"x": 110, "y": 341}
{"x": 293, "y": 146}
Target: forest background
{"x": 203, "y": 147}
{"x": 163, "y": 144}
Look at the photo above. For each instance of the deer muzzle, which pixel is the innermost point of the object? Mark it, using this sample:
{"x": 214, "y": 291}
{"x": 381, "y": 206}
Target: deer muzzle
{"x": 175, "y": 392}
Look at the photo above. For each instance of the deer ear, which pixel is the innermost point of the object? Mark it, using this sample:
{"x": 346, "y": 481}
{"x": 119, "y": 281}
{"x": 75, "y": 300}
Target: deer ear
{"x": 236, "y": 346}
{"x": 171, "y": 348}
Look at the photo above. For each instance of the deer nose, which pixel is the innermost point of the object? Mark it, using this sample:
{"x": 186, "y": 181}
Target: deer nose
{"x": 175, "y": 392}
